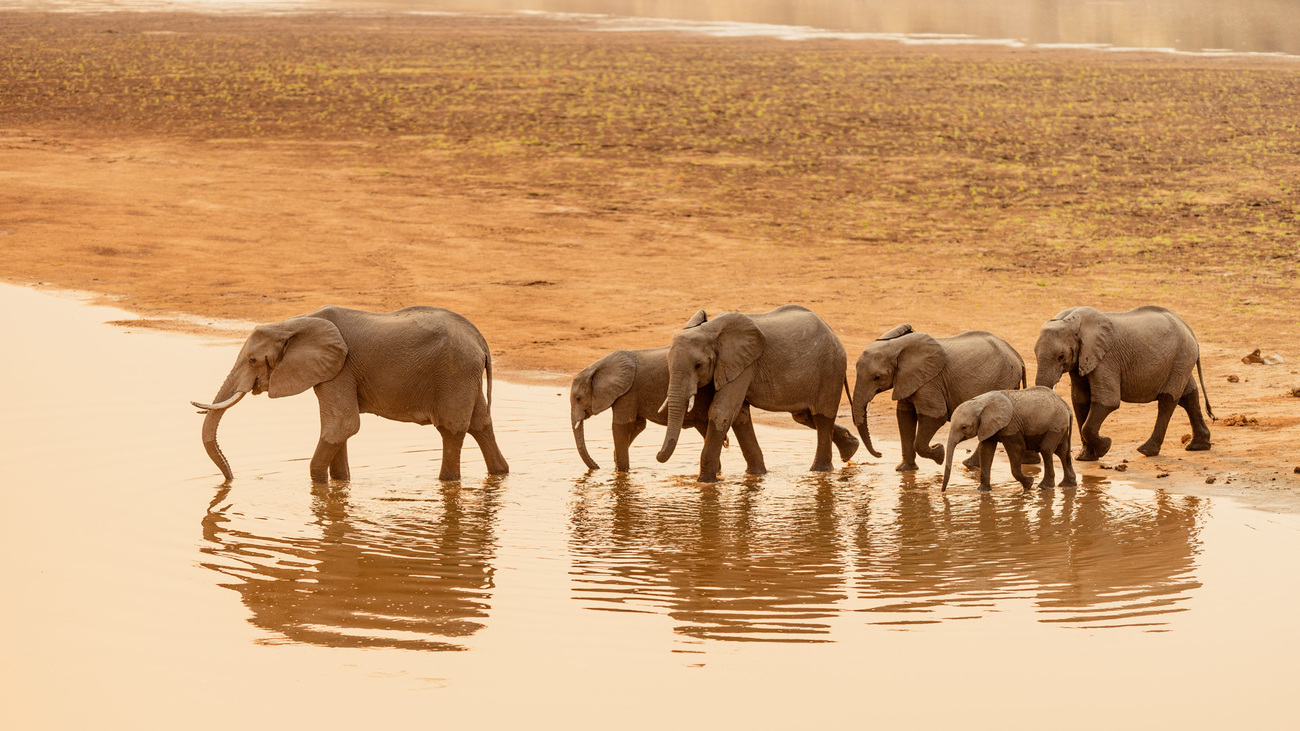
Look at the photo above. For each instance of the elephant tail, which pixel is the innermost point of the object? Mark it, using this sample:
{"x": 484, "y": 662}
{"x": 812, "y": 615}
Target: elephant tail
{"x": 1204, "y": 394}
{"x": 487, "y": 366}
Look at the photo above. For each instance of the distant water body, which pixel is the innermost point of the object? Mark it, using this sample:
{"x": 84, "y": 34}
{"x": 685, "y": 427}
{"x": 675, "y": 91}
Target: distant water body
{"x": 1202, "y": 27}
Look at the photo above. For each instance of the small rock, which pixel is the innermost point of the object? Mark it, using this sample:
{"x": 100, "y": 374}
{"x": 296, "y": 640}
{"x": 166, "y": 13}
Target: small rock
{"x": 1121, "y": 468}
{"x": 1240, "y": 420}
{"x": 1254, "y": 357}
{"x": 1274, "y": 359}
{"x": 1163, "y": 474}
{"x": 1295, "y": 392}
{"x": 1234, "y": 379}
{"x": 1186, "y": 438}
{"x": 1210, "y": 480}
{"x": 1297, "y": 470}
{"x": 1105, "y": 467}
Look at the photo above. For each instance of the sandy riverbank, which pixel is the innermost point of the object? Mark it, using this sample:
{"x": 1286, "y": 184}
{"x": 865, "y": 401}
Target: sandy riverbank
{"x": 574, "y": 192}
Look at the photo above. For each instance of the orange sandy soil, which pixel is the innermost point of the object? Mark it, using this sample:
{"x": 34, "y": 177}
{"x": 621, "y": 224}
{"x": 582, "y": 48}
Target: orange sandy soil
{"x": 574, "y": 192}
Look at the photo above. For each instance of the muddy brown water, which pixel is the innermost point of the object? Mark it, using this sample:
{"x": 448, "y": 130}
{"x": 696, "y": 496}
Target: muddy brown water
{"x": 157, "y": 597}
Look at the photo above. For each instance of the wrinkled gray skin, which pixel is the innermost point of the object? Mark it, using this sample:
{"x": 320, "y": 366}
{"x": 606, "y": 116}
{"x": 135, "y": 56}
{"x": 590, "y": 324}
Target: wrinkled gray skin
{"x": 634, "y": 383}
{"x": 784, "y": 360}
{"x": 1024, "y": 421}
{"x": 420, "y": 364}
{"x": 1143, "y": 355}
{"x": 930, "y": 377}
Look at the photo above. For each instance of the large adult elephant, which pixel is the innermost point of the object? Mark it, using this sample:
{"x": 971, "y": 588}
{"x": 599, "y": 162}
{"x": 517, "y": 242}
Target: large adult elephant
{"x": 419, "y": 364}
{"x": 1139, "y": 356}
{"x": 930, "y": 377}
{"x": 784, "y": 360}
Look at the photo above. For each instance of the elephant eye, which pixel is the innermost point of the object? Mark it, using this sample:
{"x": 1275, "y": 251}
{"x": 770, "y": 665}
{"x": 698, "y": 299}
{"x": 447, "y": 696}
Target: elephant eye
{"x": 252, "y": 360}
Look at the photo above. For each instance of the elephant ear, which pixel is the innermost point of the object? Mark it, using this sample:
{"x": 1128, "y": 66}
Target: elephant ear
{"x": 739, "y": 343}
{"x": 920, "y": 360}
{"x": 611, "y": 379}
{"x": 898, "y": 332}
{"x": 1096, "y": 333}
{"x": 699, "y": 318}
{"x": 995, "y": 415}
{"x": 312, "y": 351}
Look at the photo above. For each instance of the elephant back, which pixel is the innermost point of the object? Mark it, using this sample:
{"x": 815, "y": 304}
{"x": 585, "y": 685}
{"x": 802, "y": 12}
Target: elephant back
{"x": 979, "y": 362}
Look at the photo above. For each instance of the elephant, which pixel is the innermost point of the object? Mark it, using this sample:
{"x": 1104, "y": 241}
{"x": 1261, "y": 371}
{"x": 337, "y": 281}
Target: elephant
{"x": 634, "y": 383}
{"x": 787, "y": 359}
{"x": 930, "y": 377}
{"x": 1139, "y": 356}
{"x": 419, "y": 364}
{"x": 1034, "y": 419}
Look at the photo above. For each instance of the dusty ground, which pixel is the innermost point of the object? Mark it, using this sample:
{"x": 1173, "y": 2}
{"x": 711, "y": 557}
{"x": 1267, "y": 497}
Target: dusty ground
{"x": 575, "y": 192}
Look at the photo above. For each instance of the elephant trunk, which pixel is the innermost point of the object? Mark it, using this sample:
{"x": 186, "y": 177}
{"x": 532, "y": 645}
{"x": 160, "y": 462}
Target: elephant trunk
{"x": 580, "y": 438}
{"x": 1048, "y": 374}
{"x": 226, "y": 397}
{"x": 953, "y": 439}
{"x": 862, "y": 399}
{"x": 676, "y": 403}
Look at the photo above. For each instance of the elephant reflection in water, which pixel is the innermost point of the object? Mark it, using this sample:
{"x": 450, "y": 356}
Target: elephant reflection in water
{"x": 1083, "y": 557}
{"x": 378, "y": 573}
{"x": 725, "y": 562}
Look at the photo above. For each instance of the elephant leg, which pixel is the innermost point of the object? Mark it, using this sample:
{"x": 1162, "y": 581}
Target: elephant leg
{"x": 1015, "y": 455}
{"x": 926, "y": 426}
{"x": 340, "y": 419}
{"x": 986, "y": 450}
{"x": 623, "y": 436}
{"x": 1095, "y": 445}
{"x": 906, "y": 415}
{"x": 842, "y": 438}
{"x": 480, "y": 427}
{"x": 1068, "y": 478}
{"x": 451, "y": 441}
{"x": 825, "y": 432}
{"x": 1166, "y": 404}
{"x": 711, "y": 455}
{"x": 748, "y": 441}
{"x": 339, "y": 465}
{"x": 1046, "y": 448}
{"x": 1191, "y": 403}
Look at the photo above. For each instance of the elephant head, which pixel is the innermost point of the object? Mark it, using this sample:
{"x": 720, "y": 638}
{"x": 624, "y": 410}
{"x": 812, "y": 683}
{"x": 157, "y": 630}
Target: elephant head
{"x": 280, "y": 358}
{"x": 901, "y": 359}
{"x": 982, "y": 416}
{"x": 716, "y": 351}
{"x": 595, "y": 389}
{"x": 1077, "y": 338}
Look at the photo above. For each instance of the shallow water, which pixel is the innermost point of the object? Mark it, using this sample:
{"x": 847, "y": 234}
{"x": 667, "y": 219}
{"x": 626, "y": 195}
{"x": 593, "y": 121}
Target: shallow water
{"x": 1182, "y": 26}
{"x": 160, "y": 598}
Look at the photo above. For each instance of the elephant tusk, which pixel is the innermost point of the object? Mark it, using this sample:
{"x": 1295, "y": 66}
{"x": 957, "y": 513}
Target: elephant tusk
{"x": 690, "y": 403}
{"x": 663, "y": 406}
{"x": 205, "y": 408}
{"x": 577, "y": 424}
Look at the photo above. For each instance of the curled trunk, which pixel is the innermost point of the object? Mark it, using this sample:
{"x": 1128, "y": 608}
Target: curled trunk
{"x": 210, "y": 422}
{"x": 580, "y": 438}
{"x": 860, "y": 402}
{"x": 1047, "y": 375}
{"x": 676, "y": 415}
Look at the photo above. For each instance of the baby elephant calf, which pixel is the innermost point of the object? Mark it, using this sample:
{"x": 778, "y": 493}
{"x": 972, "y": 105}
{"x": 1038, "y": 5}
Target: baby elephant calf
{"x": 1033, "y": 419}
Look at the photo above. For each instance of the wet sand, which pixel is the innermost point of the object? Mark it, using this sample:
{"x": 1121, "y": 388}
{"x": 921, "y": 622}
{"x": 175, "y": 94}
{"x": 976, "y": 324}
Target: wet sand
{"x": 161, "y": 598}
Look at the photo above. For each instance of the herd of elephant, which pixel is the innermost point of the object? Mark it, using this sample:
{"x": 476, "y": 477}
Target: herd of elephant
{"x": 428, "y": 365}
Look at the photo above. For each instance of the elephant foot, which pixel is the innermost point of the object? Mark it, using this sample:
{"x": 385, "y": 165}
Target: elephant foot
{"x": 986, "y": 488}
{"x": 1094, "y": 452}
{"x": 1026, "y": 482}
{"x": 755, "y": 470}
{"x": 822, "y": 466}
{"x": 1149, "y": 449}
{"x": 972, "y": 462}
{"x": 1069, "y": 482}
{"x": 848, "y": 446}
{"x": 906, "y": 467}
{"x": 1044, "y": 485}
{"x": 704, "y": 477}
{"x": 936, "y": 454}
{"x": 1198, "y": 445}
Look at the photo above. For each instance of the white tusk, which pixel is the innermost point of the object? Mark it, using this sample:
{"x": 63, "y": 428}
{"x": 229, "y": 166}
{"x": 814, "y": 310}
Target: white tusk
{"x": 223, "y": 405}
{"x": 576, "y": 424}
{"x": 690, "y": 403}
{"x": 664, "y": 405}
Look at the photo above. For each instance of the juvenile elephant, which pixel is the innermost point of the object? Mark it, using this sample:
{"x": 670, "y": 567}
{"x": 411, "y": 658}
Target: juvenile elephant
{"x": 1139, "y": 356}
{"x": 930, "y": 377}
{"x": 634, "y": 383}
{"x": 1024, "y": 421}
{"x": 419, "y": 364}
{"x": 784, "y": 360}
